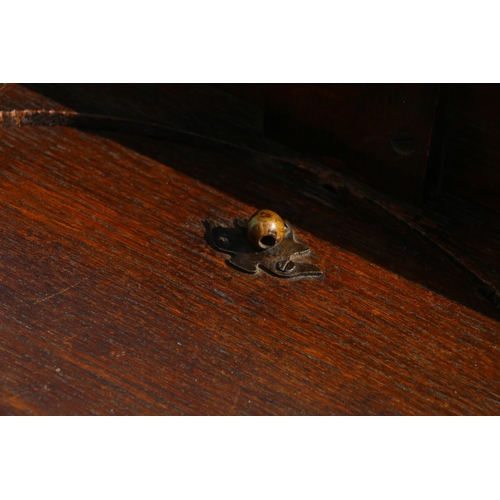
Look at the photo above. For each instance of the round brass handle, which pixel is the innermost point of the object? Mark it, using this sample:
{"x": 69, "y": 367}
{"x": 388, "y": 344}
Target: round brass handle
{"x": 266, "y": 229}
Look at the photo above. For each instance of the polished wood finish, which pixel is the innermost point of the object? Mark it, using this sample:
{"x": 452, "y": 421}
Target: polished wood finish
{"x": 111, "y": 301}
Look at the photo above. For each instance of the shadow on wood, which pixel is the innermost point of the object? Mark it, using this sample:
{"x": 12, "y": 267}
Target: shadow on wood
{"x": 231, "y": 155}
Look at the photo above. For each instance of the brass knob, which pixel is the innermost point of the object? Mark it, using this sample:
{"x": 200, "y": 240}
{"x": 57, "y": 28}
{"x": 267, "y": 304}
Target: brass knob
{"x": 266, "y": 229}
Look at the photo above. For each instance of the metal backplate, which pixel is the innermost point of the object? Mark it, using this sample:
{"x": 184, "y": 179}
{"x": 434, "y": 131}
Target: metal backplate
{"x": 277, "y": 260}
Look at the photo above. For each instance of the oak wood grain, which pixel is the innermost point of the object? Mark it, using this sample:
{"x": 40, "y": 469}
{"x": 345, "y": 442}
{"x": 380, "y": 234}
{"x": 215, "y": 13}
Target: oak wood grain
{"x": 112, "y": 302}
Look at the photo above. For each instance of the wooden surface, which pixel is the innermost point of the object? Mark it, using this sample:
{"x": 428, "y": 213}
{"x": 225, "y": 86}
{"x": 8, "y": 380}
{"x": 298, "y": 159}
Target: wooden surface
{"x": 381, "y": 133}
{"x": 471, "y": 151}
{"x": 111, "y": 302}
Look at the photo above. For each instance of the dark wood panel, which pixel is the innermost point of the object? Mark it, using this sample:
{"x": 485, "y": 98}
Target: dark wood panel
{"x": 250, "y": 92}
{"x": 380, "y": 133}
{"x": 471, "y": 158}
{"x": 112, "y": 302}
{"x": 197, "y": 108}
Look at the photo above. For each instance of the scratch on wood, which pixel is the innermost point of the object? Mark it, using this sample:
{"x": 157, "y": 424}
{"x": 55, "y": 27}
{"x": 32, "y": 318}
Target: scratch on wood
{"x": 61, "y": 291}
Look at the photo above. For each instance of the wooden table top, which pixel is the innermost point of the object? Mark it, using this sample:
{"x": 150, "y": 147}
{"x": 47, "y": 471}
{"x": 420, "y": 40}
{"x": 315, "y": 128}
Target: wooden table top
{"x": 112, "y": 302}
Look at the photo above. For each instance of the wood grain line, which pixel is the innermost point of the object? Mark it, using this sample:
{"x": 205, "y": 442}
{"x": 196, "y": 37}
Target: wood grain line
{"x": 61, "y": 291}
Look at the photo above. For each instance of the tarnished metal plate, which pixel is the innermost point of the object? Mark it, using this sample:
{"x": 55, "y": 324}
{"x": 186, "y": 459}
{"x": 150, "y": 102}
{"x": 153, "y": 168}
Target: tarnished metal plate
{"x": 276, "y": 260}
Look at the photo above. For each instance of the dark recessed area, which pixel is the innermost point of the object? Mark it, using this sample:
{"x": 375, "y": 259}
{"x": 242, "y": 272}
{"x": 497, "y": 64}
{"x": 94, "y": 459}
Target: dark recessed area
{"x": 268, "y": 241}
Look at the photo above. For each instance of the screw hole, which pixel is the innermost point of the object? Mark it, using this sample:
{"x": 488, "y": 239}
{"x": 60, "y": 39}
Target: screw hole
{"x": 285, "y": 266}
